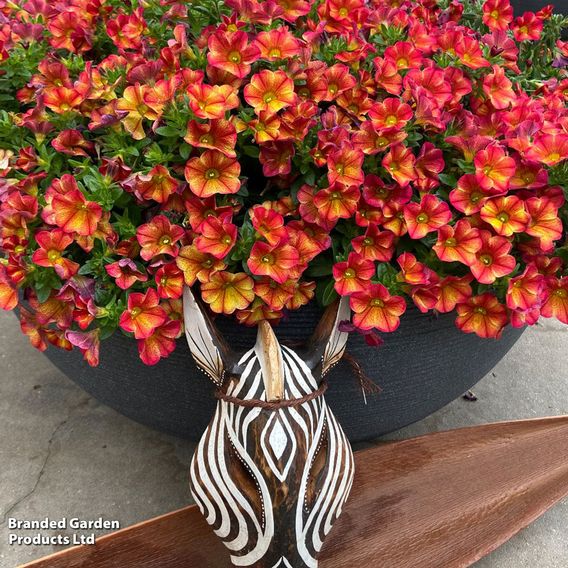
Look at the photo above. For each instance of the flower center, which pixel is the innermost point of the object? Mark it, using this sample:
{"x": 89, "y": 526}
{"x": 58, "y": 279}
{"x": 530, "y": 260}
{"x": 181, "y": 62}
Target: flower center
{"x": 561, "y": 292}
{"x": 135, "y": 312}
{"x": 53, "y": 255}
{"x": 554, "y": 157}
{"x": 163, "y": 281}
{"x": 390, "y": 120}
{"x": 480, "y": 310}
{"x": 451, "y": 242}
{"x": 165, "y": 240}
{"x": 349, "y": 273}
{"x": 235, "y": 57}
{"x": 344, "y": 12}
{"x": 269, "y": 97}
{"x": 367, "y": 241}
{"x": 475, "y": 197}
{"x": 267, "y": 259}
{"x": 275, "y": 52}
{"x": 503, "y": 217}
{"x": 402, "y": 62}
{"x": 335, "y": 195}
{"x": 212, "y": 173}
{"x": 422, "y": 218}
{"x": 227, "y": 239}
{"x": 486, "y": 259}
{"x": 207, "y": 263}
{"x": 377, "y": 303}
{"x": 206, "y": 139}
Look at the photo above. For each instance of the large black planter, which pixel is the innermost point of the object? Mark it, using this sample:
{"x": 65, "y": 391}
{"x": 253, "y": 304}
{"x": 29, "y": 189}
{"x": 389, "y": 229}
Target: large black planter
{"x": 421, "y": 367}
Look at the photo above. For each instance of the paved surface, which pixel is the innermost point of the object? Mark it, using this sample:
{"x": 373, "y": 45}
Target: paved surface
{"x": 64, "y": 454}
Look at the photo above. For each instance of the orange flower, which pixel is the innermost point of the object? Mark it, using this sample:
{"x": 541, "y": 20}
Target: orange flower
{"x": 160, "y": 344}
{"x": 549, "y": 149}
{"x": 390, "y": 113}
{"x": 458, "y": 243}
{"x": 336, "y": 202}
{"x": 270, "y": 91}
{"x": 8, "y": 293}
{"x": 376, "y": 308}
{"x": 497, "y": 14}
{"x": 374, "y": 244}
{"x": 213, "y": 173}
{"x": 399, "y": 162}
{"x": 277, "y": 44}
{"x": 494, "y": 169}
{"x": 88, "y": 343}
{"x": 135, "y": 102}
{"x": 231, "y": 52}
{"x": 524, "y": 291}
{"x": 276, "y": 261}
{"x": 74, "y": 214}
{"x": 353, "y": 275}
{"x": 452, "y": 291}
{"x": 52, "y": 244}
{"x": 157, "y": 184}
{"x": 217, "y": 237}
{"x": 544, "y": 222}
{"x": 507, "y": 215}
{"x": 197, "y": 265}
{"x": 274, "y": 294}
{"x": 226, "y": 292}
{"x": 143, "y": 314}
{"x": 482, "y": 315}
{"x": 159, "y": 236}
{"x": 170, "y": 281}
{"x": 344, "y": 166}
{"x": 215, "y": 135}
{"x": 492, "y": 259}
{"x": 498, "y": 88}
{"x": 412, "y": 271}
{"x": 468, "y": 197}
{"x": 62, "y": 99}
{"x": 427, "y": 216}
{"x": 556, "y": 303}
{"x": 211, "y": 102}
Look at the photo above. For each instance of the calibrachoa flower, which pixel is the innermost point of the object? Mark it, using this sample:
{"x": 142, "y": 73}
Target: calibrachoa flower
{"x": 143, "y": 314}
{"x": 270, "y": 154}
{"x": 376, "y": 308}
{"x": 482, "y": 315}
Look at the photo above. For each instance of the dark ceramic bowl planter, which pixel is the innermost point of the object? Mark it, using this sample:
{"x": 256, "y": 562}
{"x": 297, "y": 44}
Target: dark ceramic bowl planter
{"x": 421, "y": 367}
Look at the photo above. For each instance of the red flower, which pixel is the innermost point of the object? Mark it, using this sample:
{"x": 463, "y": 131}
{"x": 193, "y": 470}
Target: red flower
{"x": 74, "y": 214}
{"x": 143, "y": 314}
{"x": 336, "y": 202}
{"x": 544, "y": 222}
{"x": 276, "y": 261}
{"x": 527, "y": 27}
{"x": 498, "y": 88}
{"x": 158, "y": 236}
{"x": 215, "y": 135}
{"x": 277, "y": 44}
{"x": 268, "y": 224}
{"x": 482, "y": 315}
{"x": 458, "y": 243}
{"x": 207, "y": 101}
{"x": 275, "y": 295}
{"x": 160, "y": 344}
{"x": 390, "y": 113}
{"x": 492, "y": 259}
{"x": 468, "y": 197}
{"x": 494, "y": 169}
{"x": 197, "y": 265}
{"x": 52, "y": 244}
{"x": 497, "y": 14}
{"x": 232, "y": 53}
{"x": 88, "y": 342}
{"x": 427, "y": 216}
{"x": 270, "y": 91}
{"x": 524, "y": 291}
{"x": 452, "y": 291}
{"x": 156, "y": 185}
{"x": 126, "y": 273}
{"x": 556, "y": 303}
{"x": 213, "y": 173}
{"x": 353, "y": 275}
{"x": 216, "y": 237}
{"x": 374, "y": 244}
{"x": 549, "y": 149}
{"x": 376, "y": 308}
{"x": 344, "y": 166}
{"x": 507, "y": 215}
{"x": 399, "y": 162}
{"x": 71, "y": 142}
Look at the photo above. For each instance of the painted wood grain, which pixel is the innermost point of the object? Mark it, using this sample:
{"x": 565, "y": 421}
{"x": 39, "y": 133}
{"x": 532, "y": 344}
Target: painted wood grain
{"x": 443, "y": 499}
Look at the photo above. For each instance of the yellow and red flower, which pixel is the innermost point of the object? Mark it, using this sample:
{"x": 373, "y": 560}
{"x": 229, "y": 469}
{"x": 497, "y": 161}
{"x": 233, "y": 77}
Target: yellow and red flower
{"x": 274, "y": 294}
{"x": 279, "y": 262}
{"x": 549, "y": 149}
{"x": 494, "y": 169}
{"x": 427, "y": 216}
{"x": 231, "y": 52}
{"x": 125, "y": 273}
{"x": 344, "y": 166}
{"x": 390, "y": 113}
{"x": 507, "y": 215}
{"x": 269, "y": 224}
{"x": 217, "y": 134}
{"x": 135, "y": 103}
{"x": 497, "y": 14}
{"x": 374, "y": 244}
{"x": 143, "y": 314}
{"x": 527, "y": 27}
{"x": 336, "y": 202}
{"x": 216, "y": 237}
{"x": 159, "y": 236}
{"x": 468, "y": 196}
{"x": 169, "y": 281}
{"x": 156, "y": 185}
{"x": 226, "y": 292}
{"x": 160, "y": 344}
{"x": 399, "y": 162}
{"x": 277, "y": 44}
{"x": 197, "y": 265}
{"x": 62, "y": 99}
{"x": 459, "y": 243}
{"x": 525, "y": 291}
{"x": 452, "y": 291}
{"x": 544, "y": 222}
{"x": 556, "y": 302}
{"x": 270, "y": 91}
{"x": 353, "y": 275}
{"x": 375, "y": 308}
{"x": 483, "y": 315}
{"x": 492, "y": 259}
{"x": 412, "y": 271}
{"x": 498, "y": 88}
{"x": 213, "y": 173}
{"x": 211, "y": 101}
{"x": 49, "y": 254}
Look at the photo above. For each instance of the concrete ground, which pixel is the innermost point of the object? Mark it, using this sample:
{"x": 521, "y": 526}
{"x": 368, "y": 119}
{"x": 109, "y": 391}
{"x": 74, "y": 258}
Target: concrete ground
{"x": 64, "y": 454}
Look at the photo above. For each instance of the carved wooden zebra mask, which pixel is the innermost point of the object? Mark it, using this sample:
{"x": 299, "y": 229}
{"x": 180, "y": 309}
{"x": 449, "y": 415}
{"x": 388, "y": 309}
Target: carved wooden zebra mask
{"x": 274, "y": 468}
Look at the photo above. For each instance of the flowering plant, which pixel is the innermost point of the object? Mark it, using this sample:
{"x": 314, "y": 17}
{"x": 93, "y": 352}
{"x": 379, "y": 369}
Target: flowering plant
{"x": 392, "y": 151}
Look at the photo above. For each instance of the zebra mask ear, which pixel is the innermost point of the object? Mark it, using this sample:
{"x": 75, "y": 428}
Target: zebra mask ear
{"x": 328, "y": 342}
{"x": 211, "y": 353}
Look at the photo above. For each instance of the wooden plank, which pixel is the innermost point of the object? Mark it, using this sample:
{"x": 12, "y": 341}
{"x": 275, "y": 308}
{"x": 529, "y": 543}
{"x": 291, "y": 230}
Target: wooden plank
{"x": 443, "y": 499}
